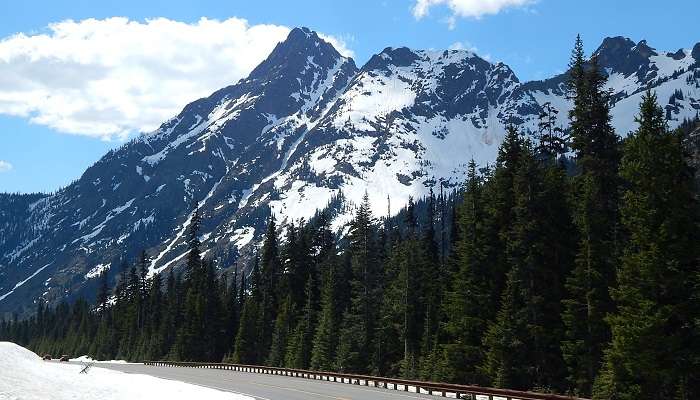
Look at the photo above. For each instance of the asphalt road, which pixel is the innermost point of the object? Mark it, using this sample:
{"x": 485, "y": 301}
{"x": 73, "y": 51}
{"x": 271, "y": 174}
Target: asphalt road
{"x": 267, "y": 387}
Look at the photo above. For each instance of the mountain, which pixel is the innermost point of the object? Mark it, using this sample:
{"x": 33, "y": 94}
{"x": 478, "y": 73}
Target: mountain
{"x": 632, "y": 69}
{"x": 306, "y": 130}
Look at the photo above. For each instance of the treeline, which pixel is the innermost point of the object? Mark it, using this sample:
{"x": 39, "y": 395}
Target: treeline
{"x": 575, "y": 277}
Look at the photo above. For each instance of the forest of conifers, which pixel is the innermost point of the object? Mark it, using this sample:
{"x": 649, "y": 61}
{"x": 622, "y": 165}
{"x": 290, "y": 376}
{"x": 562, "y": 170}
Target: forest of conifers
{"x": 572, "y": 267}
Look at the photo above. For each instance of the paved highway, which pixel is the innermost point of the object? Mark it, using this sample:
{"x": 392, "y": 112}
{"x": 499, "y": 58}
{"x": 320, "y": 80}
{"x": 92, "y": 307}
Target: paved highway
{"x": 267, "y": 387}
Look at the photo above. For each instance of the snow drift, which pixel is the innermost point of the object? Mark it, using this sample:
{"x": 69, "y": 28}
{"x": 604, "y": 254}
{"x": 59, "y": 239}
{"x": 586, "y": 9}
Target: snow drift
{"x": 26, "y": 376}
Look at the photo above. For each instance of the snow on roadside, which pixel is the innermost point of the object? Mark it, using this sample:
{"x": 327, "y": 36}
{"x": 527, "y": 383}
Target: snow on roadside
{"x": 88, "y": 359}
{"x": 26, "y": 377}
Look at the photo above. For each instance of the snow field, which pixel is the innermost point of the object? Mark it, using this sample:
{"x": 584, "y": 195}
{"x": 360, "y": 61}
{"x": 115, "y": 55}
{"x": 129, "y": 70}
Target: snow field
{"x": 25, "y": 376}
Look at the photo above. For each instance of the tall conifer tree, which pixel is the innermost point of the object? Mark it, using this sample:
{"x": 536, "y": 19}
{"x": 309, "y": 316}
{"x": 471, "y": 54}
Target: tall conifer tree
{"x": 653, "y": 353}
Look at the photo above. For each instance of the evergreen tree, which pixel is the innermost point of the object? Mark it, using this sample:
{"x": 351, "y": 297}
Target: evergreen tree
{"x": 299, "y": 350}
{"x": 246, "y": 347}
{"x": 233, "y": 310}
{"x": 172, "y": 312}
{"x": 325, "y": 338}
{"x": 552, "y": 140}
{"x": 536, "y": 248}
{"x": 412, "y": 310}
{"x": 154, "y": 346}
{"x": 189, "y": 343}
{"x": 432, "y": 278}
{"x": 268, "y": 285}
{"x": 467, "y": 302}
{"x": 102, "y": 294}
{"x": 654, "y": 349}
{"x": 358, "y": 327}
{"x": 506, "y": 359}
{"x": 596, "y": 218}
{"x": 281, "y": 334}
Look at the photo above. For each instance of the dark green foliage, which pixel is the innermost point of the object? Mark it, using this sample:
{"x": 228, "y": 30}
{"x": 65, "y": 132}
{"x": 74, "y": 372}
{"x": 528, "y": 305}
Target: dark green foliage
{"x": 267, "y": 285}
{"x": 281, "y": 334}
{"x": 468, "y": 301}
{"x": 553, "y": 142}
{"x": 653, "y": 353}
{"x": 527, "y": 278}
{"x": 595, "y": 210}
{"x": 325, "y": 340}
{"x": 358, "y": 327}
{"x": 246, "y": 348}
{"x": 300, "y": 343}
{"x": 523, "y": 343}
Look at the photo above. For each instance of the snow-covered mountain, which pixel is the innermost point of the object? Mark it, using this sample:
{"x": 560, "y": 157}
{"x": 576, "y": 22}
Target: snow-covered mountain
{"x": 632, "y": 69}
{"x": 306, "y": 130}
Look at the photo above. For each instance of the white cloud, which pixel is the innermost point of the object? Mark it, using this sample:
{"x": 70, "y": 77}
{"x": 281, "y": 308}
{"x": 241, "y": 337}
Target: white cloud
{"x": 469, "y": 47}
{"x": 339, "y": 43}
{"x": 5, "y": 166}
{"x": 463, "y": 46}
{"x": 467, "y": 8}
{"x": 111, "y": 77}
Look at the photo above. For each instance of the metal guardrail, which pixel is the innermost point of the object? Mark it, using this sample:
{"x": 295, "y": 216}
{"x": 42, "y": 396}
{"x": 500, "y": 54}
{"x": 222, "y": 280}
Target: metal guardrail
{"x": 433, "y": 388}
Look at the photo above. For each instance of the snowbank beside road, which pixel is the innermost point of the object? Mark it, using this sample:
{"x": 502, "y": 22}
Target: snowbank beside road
{"x": 25, "y": 376}
{"x": 88, "y": 359}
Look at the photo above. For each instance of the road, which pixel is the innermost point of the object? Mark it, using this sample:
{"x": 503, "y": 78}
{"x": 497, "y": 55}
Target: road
{"x": 267, "y": 387}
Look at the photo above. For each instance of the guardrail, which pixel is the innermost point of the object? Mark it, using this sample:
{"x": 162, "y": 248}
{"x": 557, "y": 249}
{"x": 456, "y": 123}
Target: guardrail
{"x": 433, "y": 388}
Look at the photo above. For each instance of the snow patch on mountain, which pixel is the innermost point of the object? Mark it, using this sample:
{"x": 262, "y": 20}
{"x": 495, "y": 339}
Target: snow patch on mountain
{"x": 97, "y": 271}
{"x": 20, "y": 283}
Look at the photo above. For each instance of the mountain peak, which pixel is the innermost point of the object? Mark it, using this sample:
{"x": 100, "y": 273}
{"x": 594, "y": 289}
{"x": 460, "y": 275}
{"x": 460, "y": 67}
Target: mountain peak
{"x": 623, "y": 55}
{"x": 301, "y": 48}
{"x": 397, "y": 56}
{"x": 305, "y": 40}
{"x": 620, "y": 46}
{"x": 615, "y": 44}
{"x": 405, "y": 57}
{"x": 302, "y": 33}
{"x": 696, "y": 52}
{"x": 644, "y": 50}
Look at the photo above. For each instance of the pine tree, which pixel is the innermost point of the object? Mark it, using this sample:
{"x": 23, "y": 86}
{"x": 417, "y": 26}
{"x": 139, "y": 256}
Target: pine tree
{"x": 506, "y": 359}
{"x": 154, "y": 347}
{"x": 412, "y": 310}
{"x": 143, "y": 265}
{"x": 596, "y": 217}
{"x": 537, "y": 248}
{"x": 132, "y": 305}
{"x": 498, "y": 214}
{"x": 189, "y": 344}
{"x": 398, "y": 330}
{"x": 552, "y": 140}
{"x": 467, "y": 303}
{"x": 281, "y": 334}
{"x": 325, "y": 338}
{"x": 103, "y": 293}
{"x": 246, "y": 347}
{"x": 653, "y": 340}
{"x": 171, "y": 314}
{"x": 233, "y": 310}
{"x": 358, "y": 327}
{"x": 213, "y": 321}
{"x": 268, "y": 285}
{"x": 299, "y": 350}
{"x": 432, "y": 279}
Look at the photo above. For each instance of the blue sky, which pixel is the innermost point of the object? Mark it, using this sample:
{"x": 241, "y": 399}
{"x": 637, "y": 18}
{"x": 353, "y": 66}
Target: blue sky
{"x": 44, "y": 150}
